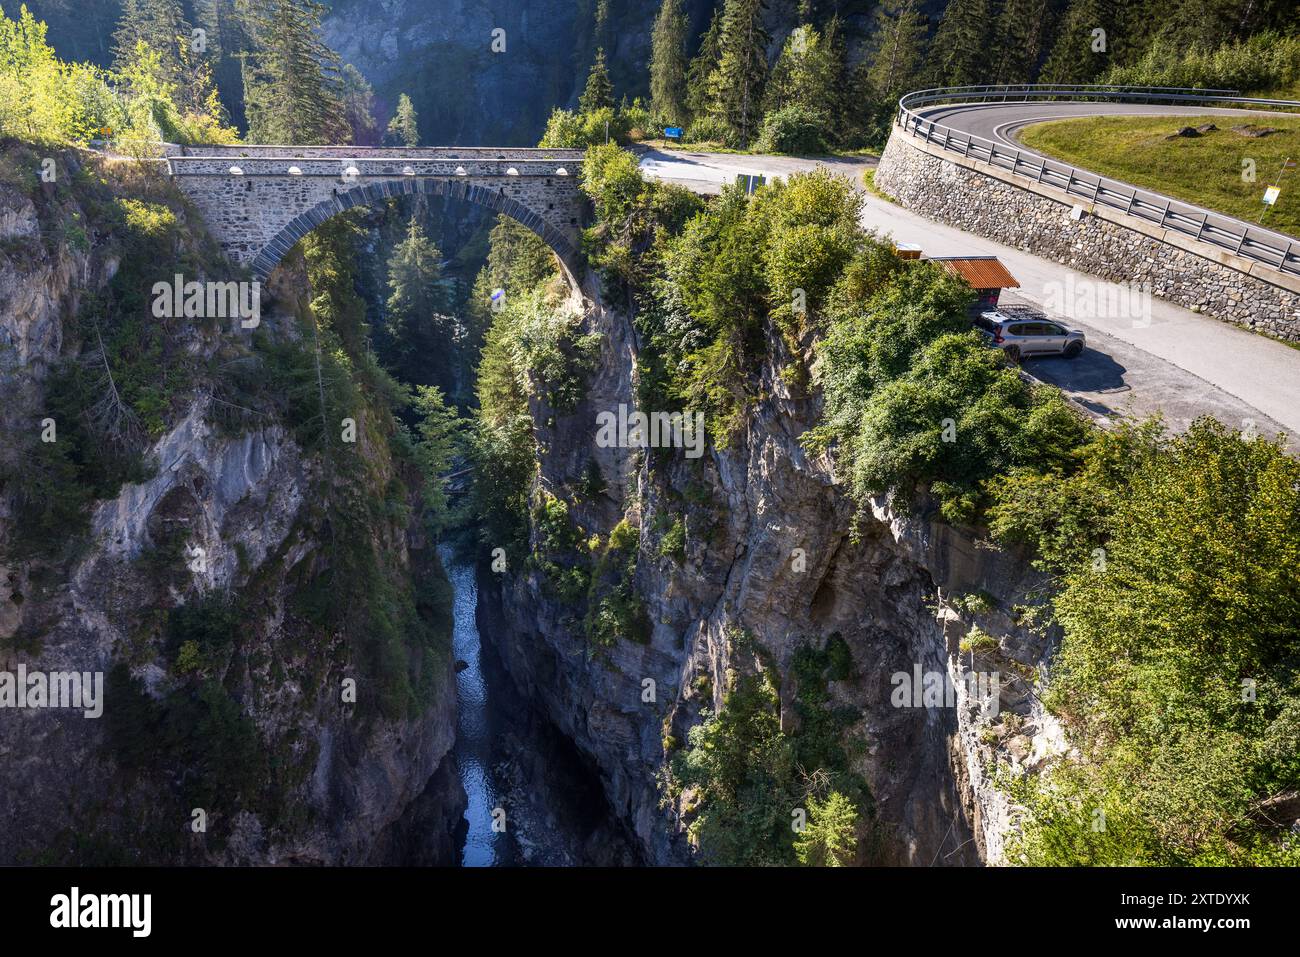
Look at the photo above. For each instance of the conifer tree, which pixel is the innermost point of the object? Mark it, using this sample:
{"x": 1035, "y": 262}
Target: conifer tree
{"x": 668, "y": 64}
{"x": 736, "y": 86}
{"x": 698, "y": 99}
{"x": 359, "y": 106}
{"x": 404, "y": 127}
{"x": 416, "y": 331}
{"x": 1019, "y": 39}
{"x": 959, "y": 54}
{"x": 1081, "y": 54}
{"x": 158, "y": 23}
{"x": 292, "y": 85}
{"x": 599, "y": 93}
{"x": 897, "y": 49}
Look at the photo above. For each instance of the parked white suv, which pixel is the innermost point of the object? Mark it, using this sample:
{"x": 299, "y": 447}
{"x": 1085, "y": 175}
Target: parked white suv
{"x": 1023, "y": 336}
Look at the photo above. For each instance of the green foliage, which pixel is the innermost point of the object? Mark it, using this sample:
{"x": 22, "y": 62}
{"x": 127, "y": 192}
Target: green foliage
{"x": 668, "y": 64}
{"x": 727, "y": 269}
{"x": 750, "y": 778}
{"x": 599, "y": 92}
{"x": 560, "y": 551}
{"x": 612, "y": 178}
{"x": 1177, "y": 674}
{"x": 804, "y": 102}
{"x": 673, "y": 543}
{"x": 1073, "y": 58}
{"x": 568, "y": 130}
{"x": 1260, "y": 63}
{"x": 614, "y": 609}
{"x": 196, "y": 735}
{"x": 438, "y": 445}
{"x": 829, "y": 839}
{"x": 359, "y": 106}
{"x": 417, "y": 331}
{"x": 735, "y": 87}
{"x": 960, "y": 47}
{"x": 913, "y": 397}
{"x": 897, "y": 54}
{"x": 793, "y": 129}
{"x": 404, "y": 127}
{"x": 293, "y": 90}
{"x": 1061, "y": 514}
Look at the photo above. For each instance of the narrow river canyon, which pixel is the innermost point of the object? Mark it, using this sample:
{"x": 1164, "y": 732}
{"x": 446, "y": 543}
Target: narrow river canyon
{"x": 531, "y": 799}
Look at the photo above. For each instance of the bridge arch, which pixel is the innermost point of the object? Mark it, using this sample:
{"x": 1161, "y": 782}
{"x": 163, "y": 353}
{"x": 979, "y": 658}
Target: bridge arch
{"x": 374, "y": 193}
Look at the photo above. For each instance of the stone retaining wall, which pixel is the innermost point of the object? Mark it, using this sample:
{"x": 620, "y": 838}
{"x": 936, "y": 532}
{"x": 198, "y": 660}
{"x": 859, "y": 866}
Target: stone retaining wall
{"x": 1016, "y": 211}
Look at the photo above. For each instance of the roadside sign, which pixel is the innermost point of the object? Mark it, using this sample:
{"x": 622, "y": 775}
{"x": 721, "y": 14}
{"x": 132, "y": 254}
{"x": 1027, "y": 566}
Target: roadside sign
{"x": 751, "y": 181}
{"x": 1271, "y": 194}
{"x": 674, "y": 132}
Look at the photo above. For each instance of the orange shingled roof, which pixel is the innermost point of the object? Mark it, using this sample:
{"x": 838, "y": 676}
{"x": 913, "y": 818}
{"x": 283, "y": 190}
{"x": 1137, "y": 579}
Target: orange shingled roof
{"x": 980, "y": 272}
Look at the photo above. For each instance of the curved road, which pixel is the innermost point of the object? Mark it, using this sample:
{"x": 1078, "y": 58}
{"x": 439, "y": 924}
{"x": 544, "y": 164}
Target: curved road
{"x": 1000, "y": 122}
{"x": 1177, "y": 362}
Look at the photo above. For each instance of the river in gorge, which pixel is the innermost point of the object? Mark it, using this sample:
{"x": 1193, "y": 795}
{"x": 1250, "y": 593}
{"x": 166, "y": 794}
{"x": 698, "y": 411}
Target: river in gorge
{"x": 530, "y": 798}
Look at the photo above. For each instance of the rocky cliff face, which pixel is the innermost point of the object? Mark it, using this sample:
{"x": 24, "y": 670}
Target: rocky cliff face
{"x": 221, "y": 536}
{"x": 771, "y": 551}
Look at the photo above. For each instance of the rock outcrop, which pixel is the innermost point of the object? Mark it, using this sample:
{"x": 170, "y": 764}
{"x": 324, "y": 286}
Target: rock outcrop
{"x": 776, "y": 549}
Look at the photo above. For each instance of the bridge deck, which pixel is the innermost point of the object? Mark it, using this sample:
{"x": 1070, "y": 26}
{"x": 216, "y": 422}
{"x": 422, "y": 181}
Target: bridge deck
{"x": 474, "y": 153}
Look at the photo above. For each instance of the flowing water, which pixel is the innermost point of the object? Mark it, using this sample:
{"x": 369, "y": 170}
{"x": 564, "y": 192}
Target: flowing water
{"x": 475, "y": 727}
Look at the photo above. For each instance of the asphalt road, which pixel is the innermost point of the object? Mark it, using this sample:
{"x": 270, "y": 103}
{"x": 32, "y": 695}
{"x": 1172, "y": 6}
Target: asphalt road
{"x": 1001, "y": 122}
{"x": 1168, "y": 360}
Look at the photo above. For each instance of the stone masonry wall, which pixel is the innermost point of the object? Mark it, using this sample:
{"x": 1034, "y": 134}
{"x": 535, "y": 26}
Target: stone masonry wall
{"x": 1012, "y": 209}
{"x": 259, "y": 215}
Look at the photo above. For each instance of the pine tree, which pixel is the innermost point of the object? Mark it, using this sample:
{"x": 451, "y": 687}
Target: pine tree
{"x": 158, "y": 23}
{"x": 736, "y": 86}
{"x": 599, "y": 93}
{"x": 959, "y": 53}
{"x": 844, "y": 103}
{"x": 829, "y": 838}
{"x": 1080, "y": 54}
{"x": 1019, "y": 38}
{"x": 668, "y": 64}
{"x": 359, "y": 106}
{"x": 698, "y": 99}
{"x": 404, "y": 127}
{"x": 897, "y": 42}
{"x": 292, "y": 86}
{"x": 416, "y": 331}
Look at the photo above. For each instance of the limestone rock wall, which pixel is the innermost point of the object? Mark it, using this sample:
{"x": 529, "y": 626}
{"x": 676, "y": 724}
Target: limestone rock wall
{"x": 891, "y": 592}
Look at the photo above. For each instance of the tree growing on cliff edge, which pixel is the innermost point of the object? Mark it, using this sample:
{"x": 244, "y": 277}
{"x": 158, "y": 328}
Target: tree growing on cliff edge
{"x": 404, "y": 127}
{"x": 829, "y": 838}
{"x": 668, "y": 64}
{"x": 292, "y": 87}
{"x": 599, "y": 93}
{"x": 736, "y": 86}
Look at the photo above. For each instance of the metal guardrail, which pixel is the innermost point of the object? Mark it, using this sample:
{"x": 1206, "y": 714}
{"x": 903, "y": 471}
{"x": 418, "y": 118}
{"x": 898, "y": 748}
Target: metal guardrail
{"x": 1226, "y": 234}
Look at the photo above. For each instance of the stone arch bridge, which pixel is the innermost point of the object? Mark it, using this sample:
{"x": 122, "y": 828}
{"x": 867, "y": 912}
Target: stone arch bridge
{"x": 258, "y": 201}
